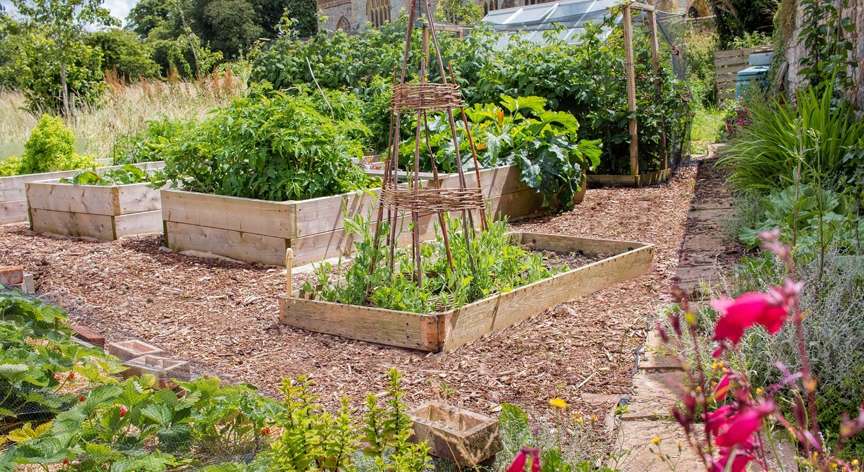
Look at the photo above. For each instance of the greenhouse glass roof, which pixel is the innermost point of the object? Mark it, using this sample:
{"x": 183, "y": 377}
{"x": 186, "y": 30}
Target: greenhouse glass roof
{"x": 533, "y": 20}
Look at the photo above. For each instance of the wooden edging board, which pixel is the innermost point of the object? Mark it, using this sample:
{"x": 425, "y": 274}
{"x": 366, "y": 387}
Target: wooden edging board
{"x": 260, "y": 231}
{"x": 451, "y": 329}
{"x": 641, "y": 180}
{"x": 13, "y": 194}
{"x": 103, "y": 212}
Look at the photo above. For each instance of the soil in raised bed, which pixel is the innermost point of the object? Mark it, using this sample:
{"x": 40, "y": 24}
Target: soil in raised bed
{"x": 224, "y": 316}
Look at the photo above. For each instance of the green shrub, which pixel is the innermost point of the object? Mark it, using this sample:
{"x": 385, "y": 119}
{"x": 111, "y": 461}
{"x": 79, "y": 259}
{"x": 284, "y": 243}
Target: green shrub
{"x": 818, "y": 134}
{"x": 148, "y": 144}
{"x": 37, "y": 75}
{"x": 544, "y": 144}
{"x": 701, "y": 46}
{"x": 10, "y": 166}
{"x": 270, "y": 146}
{"x": 124, "y": 54}
{"x": 51, "y": 147}
{"x": 127, "y": 174}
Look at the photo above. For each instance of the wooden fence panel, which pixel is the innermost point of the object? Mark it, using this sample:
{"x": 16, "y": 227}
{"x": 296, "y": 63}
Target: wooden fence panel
{"x": 727, "y": 64}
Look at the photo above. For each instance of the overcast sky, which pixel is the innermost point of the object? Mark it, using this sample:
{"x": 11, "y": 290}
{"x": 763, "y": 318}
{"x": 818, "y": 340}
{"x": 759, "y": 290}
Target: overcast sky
{"x": 119, "y": 8}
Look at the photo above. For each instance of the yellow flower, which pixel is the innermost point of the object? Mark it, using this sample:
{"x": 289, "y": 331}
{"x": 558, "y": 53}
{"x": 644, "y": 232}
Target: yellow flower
{"x": 855, "y": 462}
{"x": 559, "y": 403}
{"x": 578, "y": 418}
{"x": 760, "y": 391}
{"x": 656, "y": 440}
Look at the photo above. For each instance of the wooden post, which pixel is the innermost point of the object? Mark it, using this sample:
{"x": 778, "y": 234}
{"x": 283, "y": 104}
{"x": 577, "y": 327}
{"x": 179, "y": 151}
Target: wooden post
{"x": 630, "y": 71}
{"x": 655, "y": 58}
{"x": 289, "y": 269}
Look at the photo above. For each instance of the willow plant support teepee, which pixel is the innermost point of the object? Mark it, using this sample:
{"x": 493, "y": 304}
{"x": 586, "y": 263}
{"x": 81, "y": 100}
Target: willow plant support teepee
{"x": 423, "y": 97}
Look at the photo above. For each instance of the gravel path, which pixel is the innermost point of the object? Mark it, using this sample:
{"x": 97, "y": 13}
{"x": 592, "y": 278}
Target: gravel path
{"x": 223, "y": 316}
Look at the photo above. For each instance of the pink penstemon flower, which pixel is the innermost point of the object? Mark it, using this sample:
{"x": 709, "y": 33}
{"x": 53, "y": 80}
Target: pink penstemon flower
{"x": 733, "y": 413}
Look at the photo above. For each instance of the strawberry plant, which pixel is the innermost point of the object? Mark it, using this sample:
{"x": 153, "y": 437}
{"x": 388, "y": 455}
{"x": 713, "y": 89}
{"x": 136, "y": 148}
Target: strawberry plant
{"x": 33, "y": 374}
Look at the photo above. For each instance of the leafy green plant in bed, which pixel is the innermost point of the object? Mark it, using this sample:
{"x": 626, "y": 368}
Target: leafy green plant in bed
{"x": 127, "y": 174}
{"x": 271, "y": 146}
{"x": 544, "y": 144}
{"x": 495, "y": 265}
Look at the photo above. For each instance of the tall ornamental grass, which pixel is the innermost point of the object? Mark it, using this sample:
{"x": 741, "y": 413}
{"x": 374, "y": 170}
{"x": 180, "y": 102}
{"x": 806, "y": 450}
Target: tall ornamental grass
{"x": 124, "y": 110}
{"x": 764, "y": 156}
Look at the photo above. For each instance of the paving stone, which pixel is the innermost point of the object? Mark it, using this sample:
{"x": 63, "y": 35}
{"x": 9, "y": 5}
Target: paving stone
{"x": 658, "y": 356}
{"x": 654, "y": 395}
{"x": 163, "y": 368}
{"x": 89, "y": 335}
{"x": 132, "y": 348}
{"x": 11, "y": 275}
{"x": 640, "y": 455}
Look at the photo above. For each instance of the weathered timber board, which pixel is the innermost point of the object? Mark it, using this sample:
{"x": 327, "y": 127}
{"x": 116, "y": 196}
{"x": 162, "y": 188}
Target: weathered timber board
{"x": 54, "y": 196}
{"x": 142, "y": 222}
{"x": 244, "y": 215}
{"x": 13, "y": 193}
{"x": 647, "y": 178}
{"x": 457, "y": 327}
{"x": 240, "y": 246}
{"x": 393, "y": 328}
{"x": 66, "y": 223}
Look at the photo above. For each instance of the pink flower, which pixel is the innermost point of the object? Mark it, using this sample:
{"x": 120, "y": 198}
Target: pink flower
{"x": 739, "y": 461}
{"x": 722, "y": 388}
{"x": 719, "y": 418}
{"x": 518, "y": 464}
{"x": 741, "y": 427}
{"x": 742, "y": 313}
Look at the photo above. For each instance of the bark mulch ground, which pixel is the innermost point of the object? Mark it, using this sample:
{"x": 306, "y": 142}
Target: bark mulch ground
{"x": 223, "y": 316}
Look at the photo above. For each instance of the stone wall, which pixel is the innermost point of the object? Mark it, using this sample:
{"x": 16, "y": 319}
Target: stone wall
{"x": 794, "y": 51}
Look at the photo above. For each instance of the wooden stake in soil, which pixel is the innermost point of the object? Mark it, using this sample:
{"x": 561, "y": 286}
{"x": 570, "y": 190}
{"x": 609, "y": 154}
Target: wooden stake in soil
{"x": 289, "y": 269}
{"x": 630, "y": 71}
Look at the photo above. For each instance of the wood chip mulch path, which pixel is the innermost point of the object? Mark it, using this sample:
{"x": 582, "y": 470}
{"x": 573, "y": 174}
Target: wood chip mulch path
{"x": 223, "y": 316}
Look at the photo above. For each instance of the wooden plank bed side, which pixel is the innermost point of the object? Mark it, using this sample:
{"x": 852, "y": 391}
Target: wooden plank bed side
{"x": 377, "y": 325}
{"x": 54, "y": 196}
{"x": 245, "y": 215}
{"x": 475, "y": 320}
{"x": 142, "y": 222}
{"x": 136, "y": 198}
{"x": 495, "y": 181}
{"x": 13, "y": 211}
{"x": 247, "y": 247}
{"x": 338, "y": 242}
{"x": 66, "y": 223}
{"x": 564, "y": 243}
{"x": 326, "y": 214}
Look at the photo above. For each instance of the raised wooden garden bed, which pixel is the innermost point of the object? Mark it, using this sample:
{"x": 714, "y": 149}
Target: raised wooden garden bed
{"x": 260, "y": 231}
{"x": 103, "y": 212}
{"x": 13, "y": 194}
{"x": 641, "y": 180}
{"x": 252, "y": 230}
{"x": 453, "y": 328}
